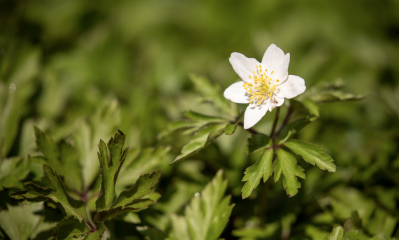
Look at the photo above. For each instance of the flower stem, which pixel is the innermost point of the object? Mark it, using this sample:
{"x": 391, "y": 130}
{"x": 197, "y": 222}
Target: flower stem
{"x": 275, "y": 122}
{"x": 249, "y": 130}
{"x": 285, "y": 121}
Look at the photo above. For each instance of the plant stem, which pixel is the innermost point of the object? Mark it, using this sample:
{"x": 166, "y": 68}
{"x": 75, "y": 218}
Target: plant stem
{"x": 275, "y": 122}
{"x": 92, "y": 228}
{"x": 285, "y": 121}
{"x": 249, "y": 130}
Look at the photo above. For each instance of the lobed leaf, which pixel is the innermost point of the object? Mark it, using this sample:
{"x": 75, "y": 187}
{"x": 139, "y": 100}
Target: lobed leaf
{"x": 99, "y": 126}
{"x": 195, "y": 122}
{"x": 111, "y": 157}
{"x": 52, "y": 189}
{"x": 131, "y": 199}
{"x": 140, "y": 161}
{"x": 286, "y": 164}
{"x": 253, "y": 174}
{"x": 204, "y": 137}
{"x": 18, "y": 222}
{"x": 12, "y": 171}
{"x": 70, "y": 227}
{"x": 312, "y": 154}
{"x": 61, "y": 157}
{"x": 206, "y": 215}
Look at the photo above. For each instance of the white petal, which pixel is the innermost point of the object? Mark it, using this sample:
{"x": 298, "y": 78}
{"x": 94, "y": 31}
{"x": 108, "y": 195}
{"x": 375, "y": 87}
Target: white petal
{"x": 274, "y": 59}
{"x": 276, "y": 103}
{"x": 236, "y": 93}
{"x": 243, "y": 66}
{"x": 253, "y": 114}
{"x": 292, "y": 87}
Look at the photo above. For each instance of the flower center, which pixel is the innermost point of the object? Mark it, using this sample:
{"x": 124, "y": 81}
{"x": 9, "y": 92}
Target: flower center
{"x": 263, "y": 87}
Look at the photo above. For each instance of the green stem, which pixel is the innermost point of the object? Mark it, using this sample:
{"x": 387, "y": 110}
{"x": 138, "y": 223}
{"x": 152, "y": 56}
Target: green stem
{"x": 285, "y": 121}
{"x": 275, "y": 123}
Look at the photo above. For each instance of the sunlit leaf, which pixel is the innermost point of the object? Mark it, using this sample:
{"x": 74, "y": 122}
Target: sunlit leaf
{"x": 230, "y": 129}
{"x": 286, "y": 164}
{"x": 99, "y": 126}
{"x": 311, "y": 106}
{"x": 204, "y": 137}
{"x": 206, "y": 215}
{"x": 312, "y": 154}
{"x": 18, "y": 222}
{"x": 253, "y": 174}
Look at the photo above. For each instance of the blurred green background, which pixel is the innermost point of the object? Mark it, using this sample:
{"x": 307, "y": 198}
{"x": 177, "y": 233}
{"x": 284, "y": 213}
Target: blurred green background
{"x": 125, "y": 64}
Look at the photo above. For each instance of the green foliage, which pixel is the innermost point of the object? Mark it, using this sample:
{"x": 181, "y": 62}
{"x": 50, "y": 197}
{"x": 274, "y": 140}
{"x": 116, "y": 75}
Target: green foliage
{"x": 20, "y": 221}
{"x": 52, "y": 189}
{"x": 258, "y": 142}
{"x": 131, "y": 199}
{"x": 200, "y": 140}
{"x": 286, "y": 164}
{"x": 79, "y": 71}
{"x": 206, "y": 215}
{"x": 70, "y": 227}
{"x": 312, "y": 154}
{"x": 111, "y": 157}
{"x": 61, "y": 157}
{"x": 211, "y": 93}
{"x": 12, "y": 171}
{"x": 261, "y": 169}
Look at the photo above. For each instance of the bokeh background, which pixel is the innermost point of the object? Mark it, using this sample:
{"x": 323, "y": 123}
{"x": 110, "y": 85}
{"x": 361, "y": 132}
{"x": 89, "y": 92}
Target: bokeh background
{"x": 125, "y": 64}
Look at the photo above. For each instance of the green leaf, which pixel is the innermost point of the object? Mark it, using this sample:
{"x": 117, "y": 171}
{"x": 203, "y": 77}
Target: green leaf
{"x": 131, "y": 199}
{"x": 61, "y": 157}
{"x": 53, "y": 190}
{"x": 292, "y": 128}
{"x": 70, "y": 227}
{"x": 111, "y": 157}
{"x": 333, "y": 96}
{"x": 195, "y": 116}
{"x": 99, "y": 126}
{"x": 211, "y": 93}
{"x": 206, "y": 215}
{"x": 336, "y": 234}
{"x": 230, "y": 128}
{"x": 18, "y": 72}
{"x": 203, "y": 138}
{"x": 258, "y": 142}
{"x": 261, "y": 169}
{"x": 311, "y": 106}
{"x": 328, "y": 92}
{"x": 195, "y": 122}
{"x": 312, "y": 154}
{"x": 101, "y": 227}
{"x": 286, "y": 164}
{"x": 141, "y": 161}
{"x": 18, "y": 222}
{"x": 12, "y": 171}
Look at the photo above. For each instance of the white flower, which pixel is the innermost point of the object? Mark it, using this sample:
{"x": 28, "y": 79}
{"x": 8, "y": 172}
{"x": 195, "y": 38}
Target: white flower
{"x": 265, "y": 85}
